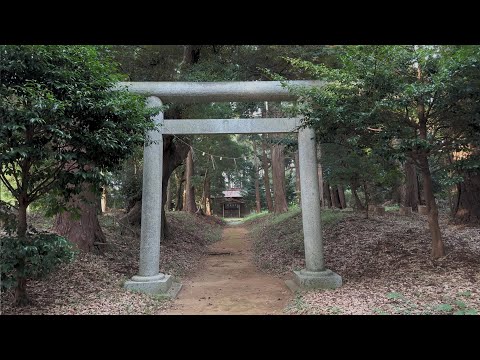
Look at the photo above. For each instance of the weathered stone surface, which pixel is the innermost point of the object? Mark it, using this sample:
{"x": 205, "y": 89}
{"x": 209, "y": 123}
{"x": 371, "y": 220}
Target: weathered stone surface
{"x": 152, "y": 199}
{"x": 326, "y": 279}
{"x": 379, "y": 210}
{"x": 158, "y": 284}
{"x": 405, "y": 210}
{"x": 312, "y": 231}
{"x": 422, "y": 210}
{"x": 231, "y": 126}
{"x": 197, "y": 92}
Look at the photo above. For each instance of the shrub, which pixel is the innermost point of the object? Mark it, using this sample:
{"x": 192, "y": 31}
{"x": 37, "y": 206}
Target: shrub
{"x": 41, "y": 252}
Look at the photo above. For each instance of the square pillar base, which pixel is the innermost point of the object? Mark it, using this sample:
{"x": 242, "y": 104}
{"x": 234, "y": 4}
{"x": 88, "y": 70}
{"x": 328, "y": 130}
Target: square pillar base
{"x": 160, "y": 284}
{"x": 326, "y": 279}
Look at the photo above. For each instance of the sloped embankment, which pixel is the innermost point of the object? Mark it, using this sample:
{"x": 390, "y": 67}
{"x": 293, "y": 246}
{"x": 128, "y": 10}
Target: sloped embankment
{"x": 93, "y": 284}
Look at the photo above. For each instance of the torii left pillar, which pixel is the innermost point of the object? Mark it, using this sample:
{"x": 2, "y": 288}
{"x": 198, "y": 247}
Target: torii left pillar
{"x": 149, "y": 279}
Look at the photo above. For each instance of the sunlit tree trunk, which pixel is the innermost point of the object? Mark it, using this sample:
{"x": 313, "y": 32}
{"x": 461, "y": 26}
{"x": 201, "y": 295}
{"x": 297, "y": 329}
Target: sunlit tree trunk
{"x": 190, "y": 205}
{"x": 257, "y": 182}
{"x": 266, "y": 179}
{"x": 278, "y": 175}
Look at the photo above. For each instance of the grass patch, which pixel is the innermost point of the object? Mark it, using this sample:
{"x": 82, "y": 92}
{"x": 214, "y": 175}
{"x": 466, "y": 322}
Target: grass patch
{"x": 254, "y": 216}
{"x": 278, "y": 240}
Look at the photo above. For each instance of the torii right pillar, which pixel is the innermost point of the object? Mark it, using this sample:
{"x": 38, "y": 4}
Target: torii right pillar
{"x": 315, "y": 275}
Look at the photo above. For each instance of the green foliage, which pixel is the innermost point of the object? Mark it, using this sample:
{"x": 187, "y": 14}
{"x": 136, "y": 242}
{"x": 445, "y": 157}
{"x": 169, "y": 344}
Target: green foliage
{"x": 41, "y": 253}
{"x": 62, "y": 124}
{"x": 376, "y": 98}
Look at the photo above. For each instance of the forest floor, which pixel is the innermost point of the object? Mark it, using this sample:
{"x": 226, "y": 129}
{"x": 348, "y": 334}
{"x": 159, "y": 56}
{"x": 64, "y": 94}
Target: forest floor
{"x": 229, "y": 283}
{"x": 93, "y": 283}
{"x": 384, "y": 261}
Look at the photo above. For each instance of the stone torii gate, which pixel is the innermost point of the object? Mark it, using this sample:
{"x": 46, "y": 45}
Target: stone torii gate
{"x": 149, "y": 278}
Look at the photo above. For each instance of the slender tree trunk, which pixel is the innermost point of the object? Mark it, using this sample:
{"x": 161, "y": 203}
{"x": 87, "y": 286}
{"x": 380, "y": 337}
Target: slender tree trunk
{"x": 358, "y": 203}
{"x": 257, "y": 182}
{"x": 104, "y": 200}
{"x": 367, "y": 198}
{"x": 266, "y": 179}
{"x": 21, "y": 298}
{"x": 190, "y": 205}
{"x": 180, "y": 179}
{"x": 327, "y": 194}
{"x": 410, "y": 189}
{"x": 335, "y": 197}
{"x": 467, "y": 209}
{"x": 341, "y": 196}
{"x": 208, "y": 203}
{"x": 296, "y": 159}
{"x": 278, "y": 176}
{"x": 169, "y": 194}
{"x": 85, "y": 231}
{"x": 438, "y": 249}
{"x": 320, "y": 184}
{"x": 466, "y": 201}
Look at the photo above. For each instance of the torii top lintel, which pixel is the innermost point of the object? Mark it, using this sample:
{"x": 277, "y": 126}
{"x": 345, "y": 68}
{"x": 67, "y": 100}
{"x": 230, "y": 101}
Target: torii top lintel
{"x": 201, "y": 92}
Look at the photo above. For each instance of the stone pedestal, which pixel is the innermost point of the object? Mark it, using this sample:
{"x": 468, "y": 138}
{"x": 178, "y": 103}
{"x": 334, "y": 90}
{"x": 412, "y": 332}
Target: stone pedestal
{"x": 405, "y": 210}
{"x": 326, "y": 279}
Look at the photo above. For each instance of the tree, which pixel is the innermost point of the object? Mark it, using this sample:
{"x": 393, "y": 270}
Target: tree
{"x": 61, "y": 126}
{"x": 415, "y": 102}
{"x": 278, "y": 177}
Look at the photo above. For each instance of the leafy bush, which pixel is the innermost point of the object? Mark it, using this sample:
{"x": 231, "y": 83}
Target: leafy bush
{"x": 41, "y": 252}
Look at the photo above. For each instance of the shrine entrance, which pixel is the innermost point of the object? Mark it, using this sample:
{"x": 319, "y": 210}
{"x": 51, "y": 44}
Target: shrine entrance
{"x": 149, "y": 278}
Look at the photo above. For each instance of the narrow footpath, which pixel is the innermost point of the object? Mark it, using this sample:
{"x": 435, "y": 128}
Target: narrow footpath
{"x": 229, "y": 283}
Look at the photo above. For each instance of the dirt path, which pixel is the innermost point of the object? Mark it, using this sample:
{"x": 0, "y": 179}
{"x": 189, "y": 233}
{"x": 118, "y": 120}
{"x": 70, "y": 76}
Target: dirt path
{"x": 229, "y": 283}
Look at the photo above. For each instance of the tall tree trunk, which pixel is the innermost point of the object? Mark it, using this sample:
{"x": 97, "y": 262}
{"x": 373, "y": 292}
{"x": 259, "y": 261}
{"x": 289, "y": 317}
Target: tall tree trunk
{"x": 335, "y": 197}
{"x": 466, "y": 201}
{"x": 190, "y": 205}
{"x": 180, "y": 180}
{"x": 278, "y": 176}
{"x": 208, "y": 203}
{"x": 266, "y": 179}
{"x": 410, "y": 189}
{"x": 169, "y": 194}
{"x": 367, "y": 198}
{"x": 438, "y": 249}
{"x": 257, "y": 182}
{"x": 296, "y": 159}
{"x": 85, "y": 231}
{"x": 341, "y": 196}
{"x": 21, "y": 298}
{"x": 327, "y": 194}
{"x": 467, "y": 209}
{"x": 104, "y": 200}
{"x": 358, "y": 203}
